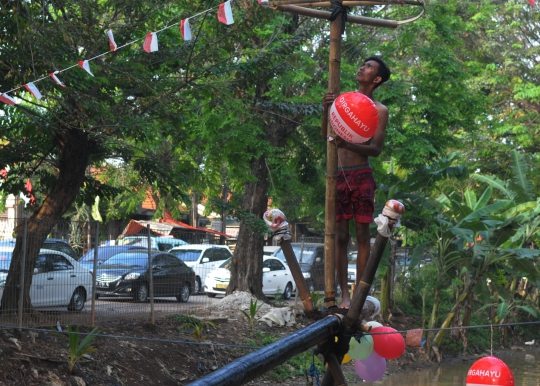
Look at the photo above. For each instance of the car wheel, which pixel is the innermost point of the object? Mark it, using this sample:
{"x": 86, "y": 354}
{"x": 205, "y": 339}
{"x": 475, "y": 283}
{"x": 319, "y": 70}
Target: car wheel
{"x": 77, "y": 300}
{"x": 211, "y": 295}
{"x": 288, "y": 291}
{"x": 141, "y": 293}
{"x": 184, "y": 295}
{"x": 197, "y": 285}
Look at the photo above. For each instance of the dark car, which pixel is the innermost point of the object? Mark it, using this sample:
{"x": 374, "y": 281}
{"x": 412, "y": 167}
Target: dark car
{"x": 105, "y": 253}
{"x": 127, "y": 274}
{"x": 54, "y": 244}
{"x": 311, "y": 259}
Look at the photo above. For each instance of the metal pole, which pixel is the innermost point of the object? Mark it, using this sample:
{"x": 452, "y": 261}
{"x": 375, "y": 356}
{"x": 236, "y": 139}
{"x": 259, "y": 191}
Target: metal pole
{"x": 23, "y": 270}
{"x": 151, "y": 284}
{"x": 255, "y": 364}
{"x": 94, "y": 277}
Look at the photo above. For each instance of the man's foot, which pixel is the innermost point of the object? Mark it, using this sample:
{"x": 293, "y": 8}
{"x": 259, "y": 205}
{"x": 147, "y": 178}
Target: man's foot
{"x": 346, "y": 303}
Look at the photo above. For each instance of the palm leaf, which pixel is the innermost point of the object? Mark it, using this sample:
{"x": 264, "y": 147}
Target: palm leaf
{"x": 484, "y": 199}
{"x": 470, "y": 198}
{"x": 523, "y": 185}
{"x": 495, "y": 183}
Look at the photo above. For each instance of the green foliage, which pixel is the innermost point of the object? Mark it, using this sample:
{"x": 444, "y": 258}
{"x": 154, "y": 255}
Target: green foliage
{"x": 198, "y": 328}
{"x": 254, "y": 307}
{"x": 78, "y": 350}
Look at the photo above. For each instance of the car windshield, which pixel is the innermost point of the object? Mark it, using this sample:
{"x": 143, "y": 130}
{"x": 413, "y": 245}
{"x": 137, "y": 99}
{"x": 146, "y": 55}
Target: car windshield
{"x": 225, "y": 263}
{"x": 5, "y": 261}
{"x": 306, "y": 257}
{"x": 88, "y": 257}
{"x": 127, "y": 260}
{"x": 186, "y": 254}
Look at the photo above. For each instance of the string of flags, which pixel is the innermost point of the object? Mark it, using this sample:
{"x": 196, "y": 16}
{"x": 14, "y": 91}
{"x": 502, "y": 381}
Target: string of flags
{"x": 150, "y": 44}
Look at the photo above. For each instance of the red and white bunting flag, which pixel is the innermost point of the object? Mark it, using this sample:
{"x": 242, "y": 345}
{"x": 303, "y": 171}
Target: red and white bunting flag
{"x": 85, "y": 66}
{"x": 263, "y": 1}
{"x": 33, "y": 89}
{"x": 112, "y": 43}
{"x": 225, "y": 13}
{"x": 185, "y": 29}
{"x": 55, "y": 78}
{"x": 7, "y": 99}
{"x": 150, "y": 42}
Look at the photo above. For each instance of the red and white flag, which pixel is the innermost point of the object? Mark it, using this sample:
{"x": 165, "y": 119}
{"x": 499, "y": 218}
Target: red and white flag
{"x": 33, "y": 89}
{"x": 112, "y": 43}
{"x": 85, "y": 66}
{"x": 532, "y": 2}
{"x": 150, "y": 42}
{"x": 225, "y": 13}
{"x": 55, "y": 78}
{"x": 185, "y": 30}
{"x": 7, "y": 99}
{"x": 263, "y": 1}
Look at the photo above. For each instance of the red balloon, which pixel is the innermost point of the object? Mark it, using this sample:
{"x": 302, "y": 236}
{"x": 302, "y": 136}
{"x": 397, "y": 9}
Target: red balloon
{"x": 490, "y": 371}
{"x": 388, "y": 346}
{"x": 354, "y": 117}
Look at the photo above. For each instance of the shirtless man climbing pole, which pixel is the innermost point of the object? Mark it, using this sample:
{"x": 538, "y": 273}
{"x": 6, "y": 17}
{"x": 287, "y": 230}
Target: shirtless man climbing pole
{"x": 355, "y": 182}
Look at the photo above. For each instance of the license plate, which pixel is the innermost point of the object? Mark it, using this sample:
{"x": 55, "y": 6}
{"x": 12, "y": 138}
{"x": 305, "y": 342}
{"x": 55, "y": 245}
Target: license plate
{"x": 221, "y": 285}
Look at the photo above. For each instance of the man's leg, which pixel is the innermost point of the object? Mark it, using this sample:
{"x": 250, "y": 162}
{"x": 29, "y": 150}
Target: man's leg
{"x": 364, "y": 246}
{"x": 342, "y": 244}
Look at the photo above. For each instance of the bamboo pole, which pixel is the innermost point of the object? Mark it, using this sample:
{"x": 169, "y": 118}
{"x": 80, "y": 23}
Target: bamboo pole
{"x": 298, "y": 277}
{"x": 358, "y": 3}
{"x": 331, "y": 170}
{"x": 347, "y": 3}
{"x": 326, "y": 16}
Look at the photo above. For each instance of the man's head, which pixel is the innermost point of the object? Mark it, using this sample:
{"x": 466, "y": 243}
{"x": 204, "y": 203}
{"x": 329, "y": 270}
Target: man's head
{"x": 383, "y": 70}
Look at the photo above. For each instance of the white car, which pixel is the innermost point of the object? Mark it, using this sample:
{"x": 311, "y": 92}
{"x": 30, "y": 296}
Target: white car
{"x": 58, "y": 280}
{"x": 277, "y": 279}
{"x": 202, "y": 258}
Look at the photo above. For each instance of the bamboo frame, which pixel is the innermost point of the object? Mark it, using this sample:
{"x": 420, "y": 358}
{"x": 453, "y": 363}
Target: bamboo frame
{"x": 346, "y": 3}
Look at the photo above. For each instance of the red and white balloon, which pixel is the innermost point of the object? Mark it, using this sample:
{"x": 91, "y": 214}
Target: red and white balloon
{"x": 489, "y": 371}
{"x": 354, "y": 117}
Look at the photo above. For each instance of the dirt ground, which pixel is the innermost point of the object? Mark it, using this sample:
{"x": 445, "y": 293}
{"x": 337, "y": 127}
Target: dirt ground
{"x": 139, "y": 353}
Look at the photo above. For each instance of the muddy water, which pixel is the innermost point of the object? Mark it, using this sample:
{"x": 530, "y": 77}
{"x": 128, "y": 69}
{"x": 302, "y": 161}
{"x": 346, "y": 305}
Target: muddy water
{"x": 524, "y": 365}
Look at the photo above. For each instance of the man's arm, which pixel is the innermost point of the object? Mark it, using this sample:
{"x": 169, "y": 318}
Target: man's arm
{"x": 374, "y": 148}
{"x": 328, "y": 99}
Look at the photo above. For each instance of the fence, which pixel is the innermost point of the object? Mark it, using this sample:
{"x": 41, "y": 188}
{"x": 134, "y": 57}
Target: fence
{"x": 84, "y": 273}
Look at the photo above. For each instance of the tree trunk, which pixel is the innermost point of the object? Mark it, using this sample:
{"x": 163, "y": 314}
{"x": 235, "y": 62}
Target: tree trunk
{"x": 450, "y": 317}
{"x": 433, "y": 319}
{"x": 73, "y": 160}
{"x": 246, "y": 267}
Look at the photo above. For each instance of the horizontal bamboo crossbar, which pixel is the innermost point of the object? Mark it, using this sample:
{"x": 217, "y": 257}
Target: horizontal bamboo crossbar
{"x": 346, "y": 3}
{"x": 302, "y": 9}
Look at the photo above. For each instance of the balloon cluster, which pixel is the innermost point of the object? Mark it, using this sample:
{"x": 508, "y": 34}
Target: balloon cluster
{"x": 372, "y": 351}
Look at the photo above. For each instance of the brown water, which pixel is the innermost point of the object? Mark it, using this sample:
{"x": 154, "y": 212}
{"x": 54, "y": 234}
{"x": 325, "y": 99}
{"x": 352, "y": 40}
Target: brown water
{"x": 524, "y": 365}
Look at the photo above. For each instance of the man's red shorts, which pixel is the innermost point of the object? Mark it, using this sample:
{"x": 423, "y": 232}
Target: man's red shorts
{"x": 355, "y": 195}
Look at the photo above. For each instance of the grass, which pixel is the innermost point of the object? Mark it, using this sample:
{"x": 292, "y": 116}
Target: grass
{"x": 254, "y": 307}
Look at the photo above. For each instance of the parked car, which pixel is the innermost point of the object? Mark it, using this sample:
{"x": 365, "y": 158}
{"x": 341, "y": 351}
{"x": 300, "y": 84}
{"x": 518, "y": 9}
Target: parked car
{"x": 128, "y": 274}
{"x": 54, "y": 244}
{"x": 58, "y": 280}
{"x": 269, "y": 250}
{"x": 311, "y": 259}
{"x": 202, "y": 258}
{"x": 277, "y": 278}
{"x": 104, "y": 253}
{"x": 351, "y": 269}
{"x": 157, "y": 243}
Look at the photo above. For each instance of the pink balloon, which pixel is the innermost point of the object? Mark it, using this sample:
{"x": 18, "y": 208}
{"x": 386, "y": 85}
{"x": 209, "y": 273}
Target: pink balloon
{"x": 388, "y": 346}
{"x": 372, "y": 368}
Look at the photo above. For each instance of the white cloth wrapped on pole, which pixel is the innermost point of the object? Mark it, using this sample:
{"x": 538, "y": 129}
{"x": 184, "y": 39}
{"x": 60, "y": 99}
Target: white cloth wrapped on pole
{"x": 391, "y": 214}
{"x": 277, "y": 223}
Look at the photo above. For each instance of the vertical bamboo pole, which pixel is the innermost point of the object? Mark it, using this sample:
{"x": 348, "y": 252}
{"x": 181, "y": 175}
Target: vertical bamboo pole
{"x": 331, "y": 170}
{"x": 94, "y": 278}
